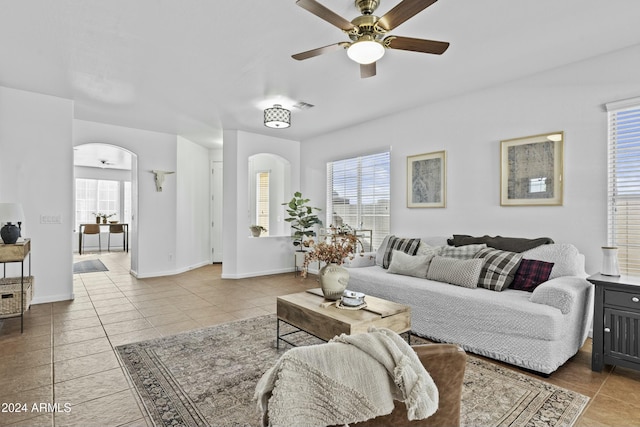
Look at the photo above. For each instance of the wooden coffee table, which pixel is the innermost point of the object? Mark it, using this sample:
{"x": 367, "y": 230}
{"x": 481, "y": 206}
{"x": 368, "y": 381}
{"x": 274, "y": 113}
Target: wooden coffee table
{"x": 310, "y": 312}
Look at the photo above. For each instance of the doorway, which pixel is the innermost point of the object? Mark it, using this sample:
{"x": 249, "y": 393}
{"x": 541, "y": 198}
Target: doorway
{"x": 105, "y": 183}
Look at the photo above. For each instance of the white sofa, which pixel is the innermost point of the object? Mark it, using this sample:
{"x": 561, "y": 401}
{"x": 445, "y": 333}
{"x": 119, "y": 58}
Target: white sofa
{"x": 537, "y": 330}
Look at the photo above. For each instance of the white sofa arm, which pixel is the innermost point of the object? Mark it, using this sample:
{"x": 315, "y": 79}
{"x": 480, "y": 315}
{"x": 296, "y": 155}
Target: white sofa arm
{"x": 366, "y": 259}
{"x": 561, "y": 292}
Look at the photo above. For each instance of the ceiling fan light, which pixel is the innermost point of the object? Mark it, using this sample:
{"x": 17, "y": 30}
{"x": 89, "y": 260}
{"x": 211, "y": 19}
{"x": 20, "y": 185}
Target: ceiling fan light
{"x": 365, "y": 51}
{"x": 277, "y": 117}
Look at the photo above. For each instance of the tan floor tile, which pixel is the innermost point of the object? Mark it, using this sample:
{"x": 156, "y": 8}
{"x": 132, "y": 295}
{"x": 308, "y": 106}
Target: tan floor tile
{"x": 165, "y": 319}
{"x": 29, "y": 378}
{"x": 156, "y": 311}
{"x": 20, "y": 344}
{"x": 43, "y": 420}
{"x": 68, "y": 325}
{"x": 175, "y": 328}
{"x": 27, "y": 415}
{"x": 110, "y": 302}
{"x": 215, "y": 319}
{"x": 120, "y": 317}
{"x": 66, "y": 306}
{"x": 604, "y": 410}
{"x": 623, "y": 384}
{"x": 127, "y": 326}
{"x": 110, "y": 296}
{"x": 135, "y": 336}
{"x": 201, "y": 312}
{"x": 27, "y": 359}
{"x": 86, "y": 365}
{"x": 114, "y": 410}
{"x": 79, "y": 349}
{"x": 71, "y": 315}
{"x": 78, "y": 335}
{"x": 83, "y": 389}
{"x": 151, "y": 303}
{"x": 110, "y": 309}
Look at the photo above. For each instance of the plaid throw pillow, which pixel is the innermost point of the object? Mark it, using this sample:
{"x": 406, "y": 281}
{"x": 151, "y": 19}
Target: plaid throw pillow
{"x": 530, "y": 274}
{"x": 408, "y": 246}
{"x": 461, "y": 252}
{"x": 499, "y": 268}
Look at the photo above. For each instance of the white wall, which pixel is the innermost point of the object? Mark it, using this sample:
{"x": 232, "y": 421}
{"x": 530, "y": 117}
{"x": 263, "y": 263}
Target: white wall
{"x": 154, "y": 240}
{"x": 36, "y": 170}
{"x": 193, "y": 220}
{"x": 245, "y": 256}
{"x": 470, "y": 128}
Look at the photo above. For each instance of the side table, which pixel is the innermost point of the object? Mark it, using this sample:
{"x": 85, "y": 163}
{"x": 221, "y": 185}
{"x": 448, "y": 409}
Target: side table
{"x": 17, "y": 253}
{"x": 616, "y": 321}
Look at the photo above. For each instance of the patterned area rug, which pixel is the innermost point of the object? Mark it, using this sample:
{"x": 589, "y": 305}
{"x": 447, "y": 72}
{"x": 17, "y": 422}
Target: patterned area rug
{"x": 207, "y": 378}
{"x": 89, "y": 266}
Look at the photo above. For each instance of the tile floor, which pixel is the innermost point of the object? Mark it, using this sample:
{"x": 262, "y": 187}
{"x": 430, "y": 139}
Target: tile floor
{"x": 66, "y": 355}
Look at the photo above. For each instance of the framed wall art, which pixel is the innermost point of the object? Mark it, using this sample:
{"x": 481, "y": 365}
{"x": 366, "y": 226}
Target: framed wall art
{"x": 531, "y": 170}
{"x": 427, "y": 180}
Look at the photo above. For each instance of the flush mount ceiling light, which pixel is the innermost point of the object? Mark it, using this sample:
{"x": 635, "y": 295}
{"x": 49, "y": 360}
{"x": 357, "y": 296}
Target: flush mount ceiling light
{"x": 277, "y": 117}
{"x": 365, "y": 51}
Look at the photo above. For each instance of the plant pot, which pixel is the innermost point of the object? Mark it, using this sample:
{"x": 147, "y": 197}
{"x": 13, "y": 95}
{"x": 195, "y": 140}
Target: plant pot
{"x": 97, "y": 220}
{"x": 256, "y": 232}
{"x": 333, "y": 281}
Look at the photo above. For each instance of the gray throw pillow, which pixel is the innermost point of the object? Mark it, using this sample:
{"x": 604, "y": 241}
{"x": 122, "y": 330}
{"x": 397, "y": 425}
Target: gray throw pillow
{"x": 460, "y": 272}
{"x": 408, "y": 265}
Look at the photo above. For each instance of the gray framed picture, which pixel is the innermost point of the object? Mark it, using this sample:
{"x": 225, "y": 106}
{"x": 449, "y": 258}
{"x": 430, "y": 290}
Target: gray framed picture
{"x": 531, "y": 170}
{"x": 426, "y": 180}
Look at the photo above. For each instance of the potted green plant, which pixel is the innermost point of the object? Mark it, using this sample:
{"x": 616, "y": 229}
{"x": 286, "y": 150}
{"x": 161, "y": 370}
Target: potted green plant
{"x": 256, "y": 230}
{"x": 105, "y": 217}
{"x": 302, "y": 218}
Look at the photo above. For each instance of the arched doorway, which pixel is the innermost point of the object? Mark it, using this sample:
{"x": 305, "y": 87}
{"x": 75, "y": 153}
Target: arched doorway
{"x": 105, "y": 182}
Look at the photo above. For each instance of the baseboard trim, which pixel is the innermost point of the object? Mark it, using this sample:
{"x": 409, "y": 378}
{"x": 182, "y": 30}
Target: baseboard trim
{"x": 52, "y": 298}
{"x": 257, "y": 273}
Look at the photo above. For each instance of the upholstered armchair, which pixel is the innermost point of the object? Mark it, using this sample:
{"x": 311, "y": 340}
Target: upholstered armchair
{"x": 446, "y": 364}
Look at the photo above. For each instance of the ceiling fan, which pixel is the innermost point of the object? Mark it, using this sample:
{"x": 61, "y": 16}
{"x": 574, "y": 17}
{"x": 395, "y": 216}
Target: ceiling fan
{"x": 369, "y": 32}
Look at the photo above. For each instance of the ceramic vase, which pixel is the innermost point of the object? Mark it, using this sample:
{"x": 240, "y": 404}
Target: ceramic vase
{"x": 610, "y": 261}
{"x": 333, "y": 281}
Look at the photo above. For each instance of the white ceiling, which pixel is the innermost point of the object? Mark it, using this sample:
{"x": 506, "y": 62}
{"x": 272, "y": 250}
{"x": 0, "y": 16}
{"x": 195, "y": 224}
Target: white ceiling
{"x": 194, "y": 67}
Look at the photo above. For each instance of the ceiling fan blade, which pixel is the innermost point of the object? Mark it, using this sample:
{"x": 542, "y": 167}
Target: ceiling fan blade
{"x": 367, "y": 70}
{"x": 320, "y": 51}
{"x": 403, "y": 11}
{"x": 416, "y": 45}
{"x": 328, "y": 15}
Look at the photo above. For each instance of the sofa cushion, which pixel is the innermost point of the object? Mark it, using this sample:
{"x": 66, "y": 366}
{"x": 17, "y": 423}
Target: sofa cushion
{"x": 499, "y": 268}
{"x": 408, "y": 265}
{"x": 530, "y": 274}
{"x": 381, "y": 250}
{"x": 511, "y": 244}
{"x": 461, "y": 272}
{"x": 461, "y": 252}
{"x": 408, "y": 246}
{"x": 565, "y": 256}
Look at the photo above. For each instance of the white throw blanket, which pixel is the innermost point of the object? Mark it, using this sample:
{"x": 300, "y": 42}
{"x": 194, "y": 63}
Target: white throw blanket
{"x": 351, "y": 378}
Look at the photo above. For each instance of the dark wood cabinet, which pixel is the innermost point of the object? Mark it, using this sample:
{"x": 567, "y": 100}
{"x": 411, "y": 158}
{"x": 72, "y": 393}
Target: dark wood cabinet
{"x": 616, "y": 321}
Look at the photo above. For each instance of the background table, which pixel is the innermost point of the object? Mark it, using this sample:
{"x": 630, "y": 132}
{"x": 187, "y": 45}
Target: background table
{"x": 126, "y": 235}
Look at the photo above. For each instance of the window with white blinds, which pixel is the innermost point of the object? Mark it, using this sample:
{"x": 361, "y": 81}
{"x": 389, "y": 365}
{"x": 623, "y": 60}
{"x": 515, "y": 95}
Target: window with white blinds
{"x": 358, "y": 194}
{"x": 623, "y": 227}
{"x": 262, "y": 201}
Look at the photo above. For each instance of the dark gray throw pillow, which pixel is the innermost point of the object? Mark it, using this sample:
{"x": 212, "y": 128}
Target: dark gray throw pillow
{"x": 511, "y": 244}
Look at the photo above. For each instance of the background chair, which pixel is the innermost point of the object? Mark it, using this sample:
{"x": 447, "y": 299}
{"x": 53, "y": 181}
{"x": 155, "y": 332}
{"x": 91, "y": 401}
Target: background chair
{"x": 116, "y": 229}
{"x": 92, "y": 229}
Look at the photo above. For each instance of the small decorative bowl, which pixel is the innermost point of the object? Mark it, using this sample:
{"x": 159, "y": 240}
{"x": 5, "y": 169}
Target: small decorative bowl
{"x": 352, "y": 299}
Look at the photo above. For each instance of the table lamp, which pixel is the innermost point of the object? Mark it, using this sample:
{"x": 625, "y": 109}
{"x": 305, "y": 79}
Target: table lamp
{"x": 9, "y": 213}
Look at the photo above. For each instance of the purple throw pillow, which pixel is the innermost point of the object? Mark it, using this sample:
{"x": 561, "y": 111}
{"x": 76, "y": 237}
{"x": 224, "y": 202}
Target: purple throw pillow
{"x": 530, "y": 274}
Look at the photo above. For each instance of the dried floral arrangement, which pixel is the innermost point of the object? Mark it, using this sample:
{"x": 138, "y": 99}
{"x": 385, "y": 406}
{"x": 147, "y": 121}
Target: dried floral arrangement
{"x": 341, "y": 243}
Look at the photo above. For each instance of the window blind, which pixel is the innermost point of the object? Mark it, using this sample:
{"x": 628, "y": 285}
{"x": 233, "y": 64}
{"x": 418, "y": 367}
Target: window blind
{"x": 358, "y": 194}
{"x": 263, "y": 201}
{"x": 623, "y": 222}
